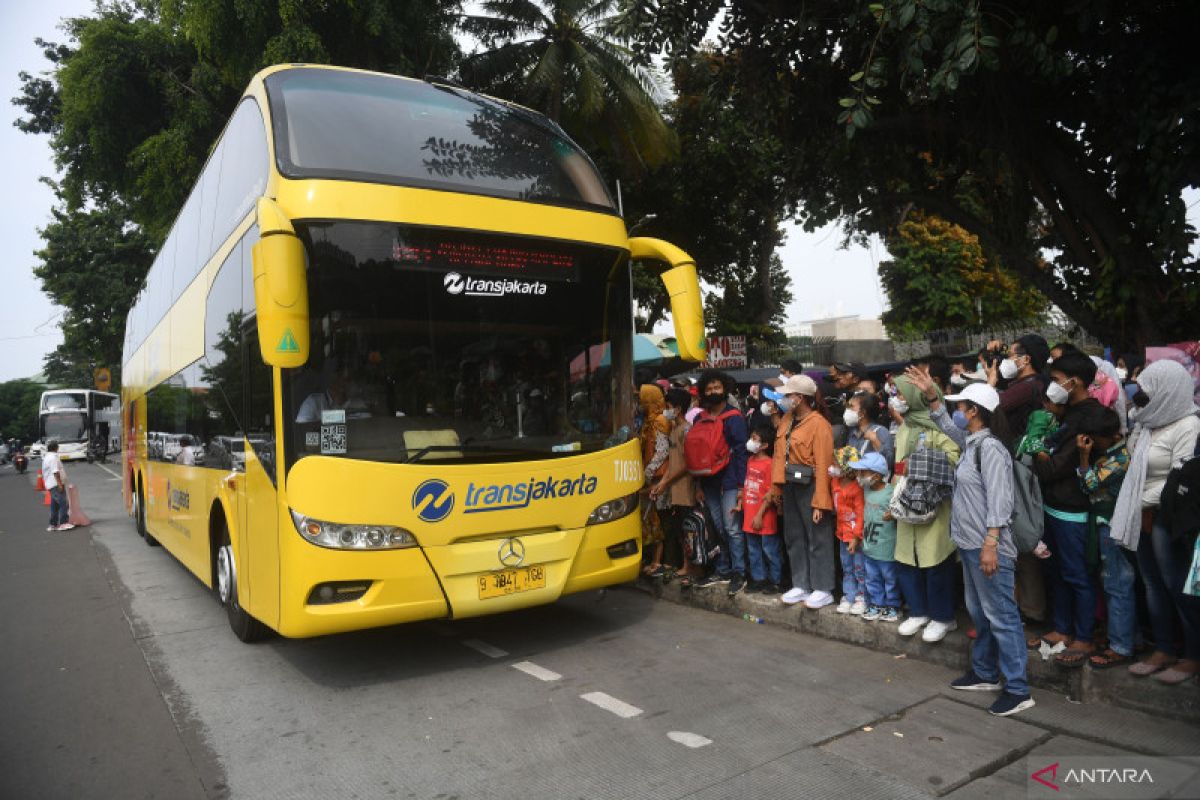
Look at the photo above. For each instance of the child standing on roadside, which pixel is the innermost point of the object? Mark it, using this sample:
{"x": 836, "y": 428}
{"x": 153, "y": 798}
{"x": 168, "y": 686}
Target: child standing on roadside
{"x": 760, "y": 518}
{"x": 848, "y": 506}
{"x": 879, "y": 539}
{"x": 1103, "y": 461}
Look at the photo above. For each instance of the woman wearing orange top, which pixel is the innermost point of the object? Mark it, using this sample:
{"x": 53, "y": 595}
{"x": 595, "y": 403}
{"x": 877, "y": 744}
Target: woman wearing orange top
{"x": 803, "y": 455}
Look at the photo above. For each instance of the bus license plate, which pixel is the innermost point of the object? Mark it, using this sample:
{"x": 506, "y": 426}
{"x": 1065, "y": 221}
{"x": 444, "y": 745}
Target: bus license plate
{"x": 511, "y": 581}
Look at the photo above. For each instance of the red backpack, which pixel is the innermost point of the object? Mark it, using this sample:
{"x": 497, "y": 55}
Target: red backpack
{"x": 705, "y": 449}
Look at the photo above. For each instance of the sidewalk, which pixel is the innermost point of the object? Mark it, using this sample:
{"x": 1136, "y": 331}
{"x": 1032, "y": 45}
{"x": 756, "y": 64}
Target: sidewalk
{"x": 1116, "y": 686}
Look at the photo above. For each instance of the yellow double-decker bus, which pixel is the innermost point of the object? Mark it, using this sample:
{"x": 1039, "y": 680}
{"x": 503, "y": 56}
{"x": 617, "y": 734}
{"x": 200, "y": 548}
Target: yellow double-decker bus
{"x": 381, "y": 370}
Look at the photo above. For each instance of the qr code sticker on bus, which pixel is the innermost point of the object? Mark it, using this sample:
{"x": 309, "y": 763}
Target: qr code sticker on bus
{"x": 333, "y": 439}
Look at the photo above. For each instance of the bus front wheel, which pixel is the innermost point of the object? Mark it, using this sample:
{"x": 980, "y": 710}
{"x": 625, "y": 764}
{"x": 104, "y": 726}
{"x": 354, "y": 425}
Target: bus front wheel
{"x": 245, "y": 627}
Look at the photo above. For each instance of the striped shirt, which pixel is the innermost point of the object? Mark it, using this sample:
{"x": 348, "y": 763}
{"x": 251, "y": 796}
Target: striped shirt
{"x": 983, "y": 495}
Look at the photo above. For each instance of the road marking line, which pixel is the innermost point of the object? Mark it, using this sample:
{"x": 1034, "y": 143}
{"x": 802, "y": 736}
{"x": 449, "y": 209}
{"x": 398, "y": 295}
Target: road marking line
{"x": 686, "y": 739}
{"x": 485, "y": 648}
{"x": 610, "y": 703}
{"x": 541, "y": 673}
{"x": 109, "y": 471}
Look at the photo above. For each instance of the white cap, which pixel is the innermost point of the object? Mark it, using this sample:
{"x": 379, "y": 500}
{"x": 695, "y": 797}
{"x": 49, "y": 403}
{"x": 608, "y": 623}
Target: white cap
{"x": 799, "y": 384}
{"x": 981, "y": 394}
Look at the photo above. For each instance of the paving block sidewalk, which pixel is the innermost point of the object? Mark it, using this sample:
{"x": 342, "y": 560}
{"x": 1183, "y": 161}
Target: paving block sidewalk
{"x": 1083, "y": 684}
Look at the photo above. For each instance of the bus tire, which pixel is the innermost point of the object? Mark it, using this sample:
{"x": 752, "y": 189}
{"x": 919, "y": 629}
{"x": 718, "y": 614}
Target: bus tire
{"x": 245, "y": 627}
{"x": 139, "y": 512}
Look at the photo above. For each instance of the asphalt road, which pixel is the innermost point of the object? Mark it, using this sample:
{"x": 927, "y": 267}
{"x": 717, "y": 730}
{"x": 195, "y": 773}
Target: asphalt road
{"x": 120, "y": 679}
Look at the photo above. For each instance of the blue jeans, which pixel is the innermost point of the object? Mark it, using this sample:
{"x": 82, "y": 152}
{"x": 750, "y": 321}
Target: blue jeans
{"x": 854, "y": 572}
{"x": 882, "y": 589}
{"x": 999, "y": 647}
{"x": 1164, "y": 564}
{"x": 1117, "y": 574}
{"x": 59, "y": 509}
{"x": 1073, "y": 597}
{"x": 766, "y": 557}
{"x": 732, "y": 560}
{"x": 929, "y": 591}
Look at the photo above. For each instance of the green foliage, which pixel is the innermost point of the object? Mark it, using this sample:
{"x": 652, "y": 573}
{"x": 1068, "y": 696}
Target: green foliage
{"x": 938, "y": 275}
{"x": 1069, "y": 129}
{"x": 568, "y": 59}
{"x": 19, "y": 409}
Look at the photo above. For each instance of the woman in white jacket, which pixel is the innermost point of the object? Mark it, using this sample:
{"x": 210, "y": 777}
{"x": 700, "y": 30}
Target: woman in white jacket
{"x": 1165, "y": 429}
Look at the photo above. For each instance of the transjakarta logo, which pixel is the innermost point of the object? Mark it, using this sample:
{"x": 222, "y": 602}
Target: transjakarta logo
{"x": 433, "y": 501}
{"x": 507, "y": 496}
{"x": 481, "y": 287}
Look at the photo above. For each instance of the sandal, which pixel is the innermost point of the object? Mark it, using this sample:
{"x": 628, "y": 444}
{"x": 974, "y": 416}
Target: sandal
{"x": 1052, "y": 638}
{"x": 1109, "y": 658}
{"x": 655, "y": 571}
{"x": 1074, "y": 656}
{"x": 686, "y": 582}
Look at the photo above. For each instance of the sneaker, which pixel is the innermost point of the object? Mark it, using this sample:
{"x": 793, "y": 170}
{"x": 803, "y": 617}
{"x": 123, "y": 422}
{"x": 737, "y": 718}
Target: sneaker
{"x": 890, "y": 615}
{"x": 844, "y": 606}
{"x": 736, "y": 584}
{"x": 768, "y": 588}
{"x": 818, "y": 599}
{"x": 754, "y": 587}
{"x": 717, "y": 579}
{"x": 1009, "y": 704}
{"x": 859, "y": 607}
{"x": 66, "y": 526}
{"x": 911, "y": 625}
{"x": 700, "y": 583}
{"x": 793, "y": 596}
{"x": 872, "y": 613}
{"x": 973, "y": 683}
{"x": 936, "y": 631}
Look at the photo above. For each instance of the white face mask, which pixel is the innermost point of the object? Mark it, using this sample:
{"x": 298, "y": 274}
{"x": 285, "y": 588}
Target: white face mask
{"x": 899, "y": 405}
{"x": 670, "y": 414}
{"x": 784, "y": 404}
{"x": 865, "y": 481}
{"x": 1122, "y": 373}
{"x": 1008, "y": 369}
{"x": 753, "y": 445}
{"x": 1056, "y": 394}
{"x": 782, "y": 378}
{"x": 850, "y": 417}
{"x": 957, "y": 380}
{"x": 767, "y": 409}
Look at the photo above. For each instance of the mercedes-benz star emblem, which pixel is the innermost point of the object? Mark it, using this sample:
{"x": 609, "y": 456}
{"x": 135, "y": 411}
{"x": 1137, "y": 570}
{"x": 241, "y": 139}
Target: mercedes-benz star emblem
{"x": 512, "y": 553}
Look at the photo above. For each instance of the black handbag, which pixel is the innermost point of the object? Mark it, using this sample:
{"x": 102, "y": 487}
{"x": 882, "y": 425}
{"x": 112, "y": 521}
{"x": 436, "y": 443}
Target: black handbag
{"x": 801, "y": 474}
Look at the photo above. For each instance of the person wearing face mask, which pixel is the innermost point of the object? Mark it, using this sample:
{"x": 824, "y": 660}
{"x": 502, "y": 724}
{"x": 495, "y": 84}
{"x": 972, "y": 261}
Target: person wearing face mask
{"x": 866, "y": 434}
{"x": 1073, "y": 596}
{"x": 1022, "y": 372}
{"x": 982, "y": 508}
{"x": 655, "y": 449}
{"x": 925, "y": 566}
{"x": 719, "y": 491}
{"x": 1164, "y": 433}
{"x": 676, "y": 484}
{"x": 803, "y": 455}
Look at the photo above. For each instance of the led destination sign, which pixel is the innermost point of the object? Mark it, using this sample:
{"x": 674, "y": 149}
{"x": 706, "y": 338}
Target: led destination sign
{"x": 471, "y": 252}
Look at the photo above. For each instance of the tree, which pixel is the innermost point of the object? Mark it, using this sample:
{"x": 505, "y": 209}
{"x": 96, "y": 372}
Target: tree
{"x": 566, "y": 58}
{"x": 19, "y": 401}
{"x": 93, "y": 264}
{"x": 941, "y": 277}
{"x": 1061, "y": 134}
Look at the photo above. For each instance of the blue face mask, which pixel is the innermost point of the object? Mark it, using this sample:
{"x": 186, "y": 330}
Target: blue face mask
{"x": 960, "y": 419}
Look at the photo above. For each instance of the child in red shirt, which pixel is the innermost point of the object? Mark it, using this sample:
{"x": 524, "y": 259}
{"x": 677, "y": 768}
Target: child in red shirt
{"x": 760, "y": 519}
{"x": 848, "y": 506}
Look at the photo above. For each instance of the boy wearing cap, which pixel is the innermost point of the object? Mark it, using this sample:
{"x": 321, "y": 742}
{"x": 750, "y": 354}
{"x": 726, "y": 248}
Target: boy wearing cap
{"x": 879, "y": 539}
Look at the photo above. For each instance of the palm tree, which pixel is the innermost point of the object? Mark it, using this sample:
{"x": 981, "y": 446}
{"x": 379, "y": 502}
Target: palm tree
{"x": 565, "y": 58}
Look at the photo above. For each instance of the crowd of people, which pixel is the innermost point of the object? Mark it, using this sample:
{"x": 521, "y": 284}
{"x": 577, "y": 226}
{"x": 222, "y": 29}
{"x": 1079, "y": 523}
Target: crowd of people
{"x": 1045, "y": 482}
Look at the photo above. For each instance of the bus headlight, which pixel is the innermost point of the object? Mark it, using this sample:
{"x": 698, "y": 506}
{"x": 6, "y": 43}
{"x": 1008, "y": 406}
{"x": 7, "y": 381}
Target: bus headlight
{"x": 352, "y": 537}
{"x": 614, "y": 509}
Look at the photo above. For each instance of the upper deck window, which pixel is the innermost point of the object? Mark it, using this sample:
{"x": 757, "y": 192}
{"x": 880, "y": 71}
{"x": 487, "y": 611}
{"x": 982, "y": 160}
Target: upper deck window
{"x": 382, "y": 129}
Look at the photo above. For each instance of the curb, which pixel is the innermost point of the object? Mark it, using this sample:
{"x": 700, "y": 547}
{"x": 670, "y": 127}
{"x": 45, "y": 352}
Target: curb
{"x": 1083, "y": 685}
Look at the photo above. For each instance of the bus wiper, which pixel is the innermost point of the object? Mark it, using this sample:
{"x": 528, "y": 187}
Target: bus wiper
{"x": 468, "y": 448}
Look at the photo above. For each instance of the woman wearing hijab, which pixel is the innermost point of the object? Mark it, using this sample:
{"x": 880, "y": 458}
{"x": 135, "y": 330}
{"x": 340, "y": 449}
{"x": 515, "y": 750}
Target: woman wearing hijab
{"x": 1165, "y": 428}
{"x": 656, "y": 445}
{"x": 925, "y": 567}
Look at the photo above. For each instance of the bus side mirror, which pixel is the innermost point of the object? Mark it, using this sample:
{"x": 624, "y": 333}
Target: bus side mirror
{"x": 683, "y": 287}
{"x": 280, "y": 289}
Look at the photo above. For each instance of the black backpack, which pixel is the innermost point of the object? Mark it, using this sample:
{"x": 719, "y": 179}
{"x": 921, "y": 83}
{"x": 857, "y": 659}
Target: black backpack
{"x": 702, "y": 546}
{"x": 1181, "y": 499}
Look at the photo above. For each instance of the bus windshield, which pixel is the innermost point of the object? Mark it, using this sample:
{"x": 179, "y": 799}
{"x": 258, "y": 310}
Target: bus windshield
{"x": 63, "y": 400}
{"x": 381, "y": 129}
{"x": 444, "y": 344}
{"x": 64, "y": 426}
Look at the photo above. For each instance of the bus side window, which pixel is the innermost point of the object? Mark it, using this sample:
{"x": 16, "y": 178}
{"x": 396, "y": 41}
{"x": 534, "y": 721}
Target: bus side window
{"x": 222, "y": 371}
{"x": 259, "y": 398}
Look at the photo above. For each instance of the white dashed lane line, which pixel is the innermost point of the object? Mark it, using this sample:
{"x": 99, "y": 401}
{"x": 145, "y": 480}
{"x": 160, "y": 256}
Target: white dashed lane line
{"x": 485, "y": 648}
{"x": 686, "y": 739}
{"x": 109, "y": 471}
{"x": 541, "y": 673}
{"x": 610, "y": 703}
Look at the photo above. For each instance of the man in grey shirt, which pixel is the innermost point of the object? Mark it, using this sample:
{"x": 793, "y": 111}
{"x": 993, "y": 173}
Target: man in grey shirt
{"x": 981, "y": 509}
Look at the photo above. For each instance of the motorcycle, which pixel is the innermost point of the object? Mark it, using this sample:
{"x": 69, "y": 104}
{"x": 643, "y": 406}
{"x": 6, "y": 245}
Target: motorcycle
{"x": 20, "y": 462}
